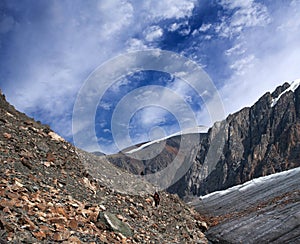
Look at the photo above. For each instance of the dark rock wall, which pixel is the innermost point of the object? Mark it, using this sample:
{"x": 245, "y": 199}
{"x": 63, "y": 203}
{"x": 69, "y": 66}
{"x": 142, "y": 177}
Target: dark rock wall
{"x": 255, "y": 141}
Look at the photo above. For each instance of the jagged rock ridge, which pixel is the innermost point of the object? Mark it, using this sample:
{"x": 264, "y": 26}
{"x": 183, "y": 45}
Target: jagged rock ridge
{"x": 256, "y": 141}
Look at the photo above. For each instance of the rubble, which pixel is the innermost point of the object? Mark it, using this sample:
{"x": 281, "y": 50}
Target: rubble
{"x": 47, "y": 195}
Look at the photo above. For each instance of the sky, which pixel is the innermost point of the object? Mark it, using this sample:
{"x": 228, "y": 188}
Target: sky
{"x": 49, "y": 49}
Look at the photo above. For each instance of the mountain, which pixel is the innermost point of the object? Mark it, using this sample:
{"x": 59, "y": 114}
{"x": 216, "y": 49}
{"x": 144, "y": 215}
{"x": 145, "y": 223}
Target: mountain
{"x": 52, "y": 192}
{"x": 256, "y": 141}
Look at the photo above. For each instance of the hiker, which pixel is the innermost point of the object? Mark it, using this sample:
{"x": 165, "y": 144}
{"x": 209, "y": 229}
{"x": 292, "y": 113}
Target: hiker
{"x": 156, "y": 199}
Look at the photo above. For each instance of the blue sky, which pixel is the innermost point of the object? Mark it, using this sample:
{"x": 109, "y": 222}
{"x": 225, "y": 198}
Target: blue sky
{"x": 49, "y": 48}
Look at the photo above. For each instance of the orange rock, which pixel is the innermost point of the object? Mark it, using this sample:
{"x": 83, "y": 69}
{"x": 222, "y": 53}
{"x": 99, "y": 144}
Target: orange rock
{"x": 93, "y": 216}
{"x": 57, "y": 237}
{"x": 61, "y": 236}
{"x": 6, "y": 210}
{"x": 19, "y": 205}
{"x": 44, "y": 228}
{"x": 61, "y": 211}
{"x": 73, "y": 224}
{"x": 149, "y": 200}
{"x": 7, "y": 135}
{"x": 59, "y": 220}
{"x": 39, "y": 235}
{"x": 50, "y": 157}
{"x": 5, "y": 203}
{"x": 12, "y": 195}
{"x": 74, "y": 240}
{"x": 47, "y": 164}
{"x": 41, "y": 206}
{"x": 32, "y": 226}
{"x": 60, "y": 227}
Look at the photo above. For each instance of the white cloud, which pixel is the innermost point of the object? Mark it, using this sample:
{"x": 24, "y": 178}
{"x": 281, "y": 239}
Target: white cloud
{"x": 247, "y": 13}
{"x": 204, "y": 27}
{"x": 53, "y": 60}
{"x": 116, "y": 15}
{"x": 270, "y": 56}
{"x": 183, "y": 28}
{"x": 106, "y": 131}
{"x": 105, "y": 106}
{"x": 238, "y": 49}
{"x": 240, "y": 66}
{"x": 135, "y": 44}
{"x": 173, "y": 27}
{"x": 167, "y": 9}
{"x": 153, "y": 33}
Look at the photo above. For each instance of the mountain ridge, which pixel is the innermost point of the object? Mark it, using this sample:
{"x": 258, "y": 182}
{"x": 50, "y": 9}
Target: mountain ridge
{"x": 255, "y": 141}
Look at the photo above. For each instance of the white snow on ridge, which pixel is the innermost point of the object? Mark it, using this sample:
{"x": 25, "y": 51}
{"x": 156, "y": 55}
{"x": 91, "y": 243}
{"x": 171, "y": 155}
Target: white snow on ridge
{"x": 293, "y": 86}
{"x": 253, "y": 183}
{"x": 198, "y": 129}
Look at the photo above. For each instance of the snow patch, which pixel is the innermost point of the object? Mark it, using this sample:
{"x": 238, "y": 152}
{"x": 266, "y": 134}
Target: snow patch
{"x": 198, "y": 129}
{"x": 253, "y": 183}
{"x": 293, "y": 86}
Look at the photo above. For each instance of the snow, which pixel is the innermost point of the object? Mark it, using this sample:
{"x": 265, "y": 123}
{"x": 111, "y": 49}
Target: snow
{"x": 293, "y": 86}
{"x": 254, "y": 183}
{"x": 198, "y": 129}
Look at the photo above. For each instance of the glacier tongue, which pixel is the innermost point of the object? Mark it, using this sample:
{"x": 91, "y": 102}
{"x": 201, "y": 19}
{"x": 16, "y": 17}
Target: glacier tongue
{"x": 258, "y": 211}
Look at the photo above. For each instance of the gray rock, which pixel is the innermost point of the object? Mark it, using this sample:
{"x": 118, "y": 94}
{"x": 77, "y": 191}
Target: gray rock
{"x": 43, "y": 147}
{"x": 113, "y": 223}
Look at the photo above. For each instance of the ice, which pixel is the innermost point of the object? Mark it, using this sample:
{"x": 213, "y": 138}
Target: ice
{"x": 253, "y": 183}
{"x": 293, "y": 86}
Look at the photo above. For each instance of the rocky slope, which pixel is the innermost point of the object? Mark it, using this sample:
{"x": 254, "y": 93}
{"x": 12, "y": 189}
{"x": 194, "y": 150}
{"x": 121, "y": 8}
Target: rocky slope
{"x": 47, "y": 194}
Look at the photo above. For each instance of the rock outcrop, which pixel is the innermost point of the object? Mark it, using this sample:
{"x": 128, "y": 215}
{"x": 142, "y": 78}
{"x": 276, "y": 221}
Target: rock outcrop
{"x": 256, "y": 141}
{"x": 48, "y": 195}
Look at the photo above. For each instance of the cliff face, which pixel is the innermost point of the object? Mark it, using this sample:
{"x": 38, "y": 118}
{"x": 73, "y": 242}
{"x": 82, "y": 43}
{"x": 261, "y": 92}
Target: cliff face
{"x": 253, "y": 142}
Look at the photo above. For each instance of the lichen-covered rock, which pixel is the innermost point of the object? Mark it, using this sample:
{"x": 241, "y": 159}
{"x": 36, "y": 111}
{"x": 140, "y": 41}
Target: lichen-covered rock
{"x": 115, "y": 224}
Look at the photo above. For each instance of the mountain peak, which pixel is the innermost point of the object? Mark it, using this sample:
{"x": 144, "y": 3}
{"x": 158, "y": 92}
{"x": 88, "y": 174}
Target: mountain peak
{"x": 286, "y": 87}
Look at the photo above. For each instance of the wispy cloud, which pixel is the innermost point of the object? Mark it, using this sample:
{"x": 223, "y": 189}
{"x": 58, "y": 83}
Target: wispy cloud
{"x": 49, "y": 48}
{"x": 263, "y": 57}
{"x": 54, "y": 45}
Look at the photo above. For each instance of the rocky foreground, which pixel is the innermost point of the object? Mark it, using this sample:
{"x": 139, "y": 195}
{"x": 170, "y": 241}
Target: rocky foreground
{"x": 47, "y": 194}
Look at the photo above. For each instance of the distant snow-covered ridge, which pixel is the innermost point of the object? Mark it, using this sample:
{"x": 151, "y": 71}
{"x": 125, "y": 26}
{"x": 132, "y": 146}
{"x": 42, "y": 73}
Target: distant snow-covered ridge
{"x": 293, "y": 86}
{"x": 195, "y": 130}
